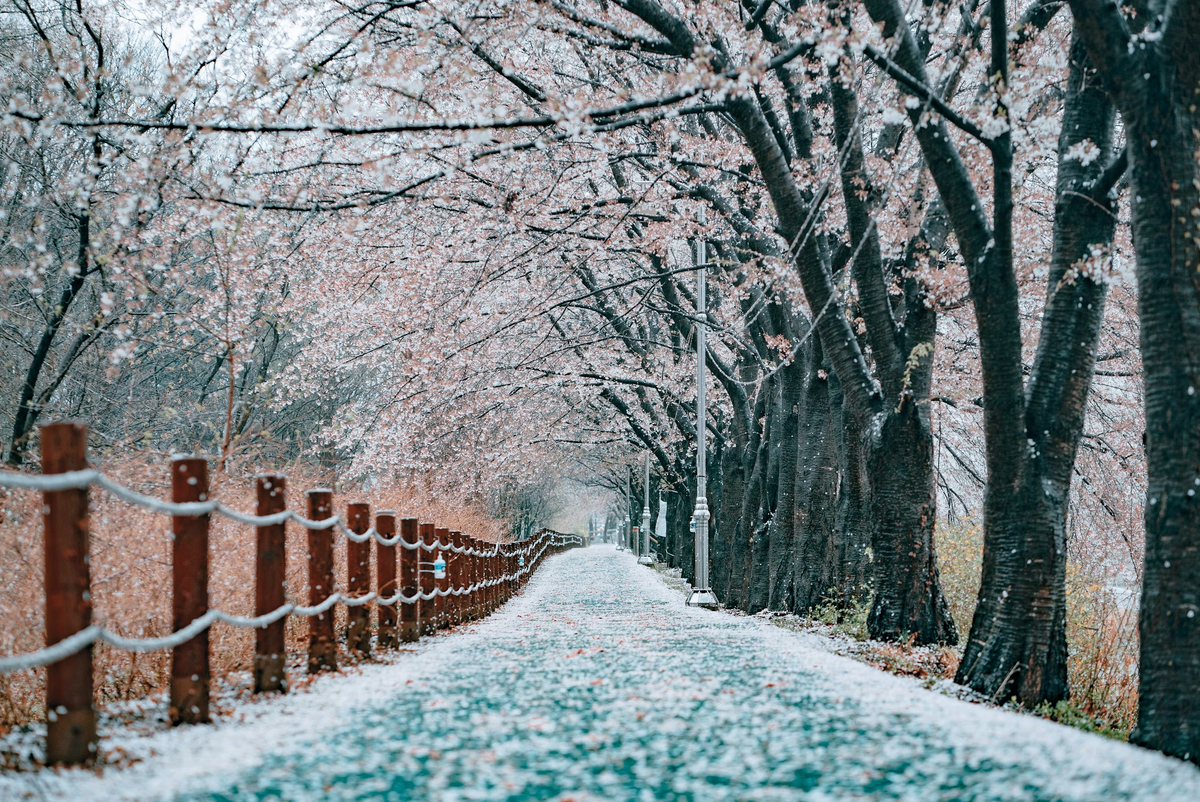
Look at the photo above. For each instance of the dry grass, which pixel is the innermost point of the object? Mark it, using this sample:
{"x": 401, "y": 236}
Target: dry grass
{"x": 960, "y": 559}
{"x": 1101, "y": 626}
{"x": 131, "y": 576}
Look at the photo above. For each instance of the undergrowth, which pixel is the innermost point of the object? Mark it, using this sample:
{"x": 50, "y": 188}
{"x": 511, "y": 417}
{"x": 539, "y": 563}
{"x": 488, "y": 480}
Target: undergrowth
{"x": 1101, "y": 635}
{"x": 1073, "y": 715}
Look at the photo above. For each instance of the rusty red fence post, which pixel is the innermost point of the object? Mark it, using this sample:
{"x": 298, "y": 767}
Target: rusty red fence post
{"x": 496, "y": 562}
{"x": 410, "y": 618}
{"x": 358, "y": 565}
{"x": 190, "y": 674}
{"x": 70, "y": 717}
{"x": 485, "y": 576}
{"x": 458, "y": 581}
{"x": 385, "y": 578}
{"x": 506, "y": 562}
{"x": 473, "y": 567}
{"x": 493, "y": 562}
{"x": 448, "y": 610}
{"x": 270, "y": 586}
{"x": 425, "y": 562}
{"x": 472, "y": 578}
{"x": 322, "y": 645}
{"x": 443, "y": 602}
{"x": 504, "y": 581}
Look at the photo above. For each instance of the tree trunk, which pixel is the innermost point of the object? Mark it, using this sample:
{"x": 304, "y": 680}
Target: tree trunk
{"x": 853, "y": 517}
{"x": 725, "y": 522}
{"x": 1165, "y": 175}
{"x": 1018, "y": 635}
{"x": 751, "y": 514}
{"x": 1155, "y": 83}
{"x": 760, "y": 552}
{"x": 27, "y": 411}
{"x": 817, "y": 554}
{"x": 908, "y": 594}
{"x": 781, "y": 532}
{"x": 908, "y": 597}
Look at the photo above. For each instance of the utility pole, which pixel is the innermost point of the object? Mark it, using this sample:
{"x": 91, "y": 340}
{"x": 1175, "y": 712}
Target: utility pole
{"x": 701, "y": 595}
{"x": 646, "y": 558}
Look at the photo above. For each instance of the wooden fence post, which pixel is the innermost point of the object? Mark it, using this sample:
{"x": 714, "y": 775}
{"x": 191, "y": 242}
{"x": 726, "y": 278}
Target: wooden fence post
{"x": 443, "y": 584}
{"x": 480, "y": 570}
{"x": 322, "y": 646}
{"x": 410, "y": 620}
{"x": 472, "y": 578}
{"x": 385, "y": 578}
{"x": 70, "y": 717}
{"x": 510, "y": 567}
{"x": 494, "y": 563}
{"x": 451, "y": 579}
{"x": 458, "y": 580}
{"x": 358, "y": 565}
{"x": 270, "y": 663}
{"x": 502, "y": 572}
{"x": 490, "y": 574}
{"x": 190, "y": 675}
{"x": 426, "y": 558}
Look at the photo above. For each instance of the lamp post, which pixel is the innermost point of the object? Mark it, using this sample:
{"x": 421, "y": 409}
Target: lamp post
{"x": 646, "y": 558}
{"x": 701, "y": 595}
{"x": 627, "y": 531}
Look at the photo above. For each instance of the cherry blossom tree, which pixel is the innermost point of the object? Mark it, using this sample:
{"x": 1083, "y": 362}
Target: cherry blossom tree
{"x": 452, "y": 243}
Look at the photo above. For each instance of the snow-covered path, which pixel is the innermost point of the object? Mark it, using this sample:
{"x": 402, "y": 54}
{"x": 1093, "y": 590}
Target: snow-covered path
{"x": 598, "y": 683}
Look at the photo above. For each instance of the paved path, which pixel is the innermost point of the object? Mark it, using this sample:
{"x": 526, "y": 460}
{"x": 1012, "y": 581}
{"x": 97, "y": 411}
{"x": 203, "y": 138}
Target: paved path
{"x": 598, "y": 684}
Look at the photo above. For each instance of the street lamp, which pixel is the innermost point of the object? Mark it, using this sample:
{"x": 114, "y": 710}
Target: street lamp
{"x": 646, "y": 558}
{"x": 701, "y": 595}
{"x": 627, "y": 530}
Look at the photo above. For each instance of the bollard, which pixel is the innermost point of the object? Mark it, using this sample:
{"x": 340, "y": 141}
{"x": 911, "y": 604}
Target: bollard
{"x": 425, "y": 567}
{"x": 70, "y": 717}
{"x": 190, "y": 675}
{"x": 270, "y": 586}
{"x": 322, "y": 645}
{"x": 410, "y": 621}
{"x": 443, "y": 584}
{"x": 358, "y": 565}
{"x": 385, "y": 578}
